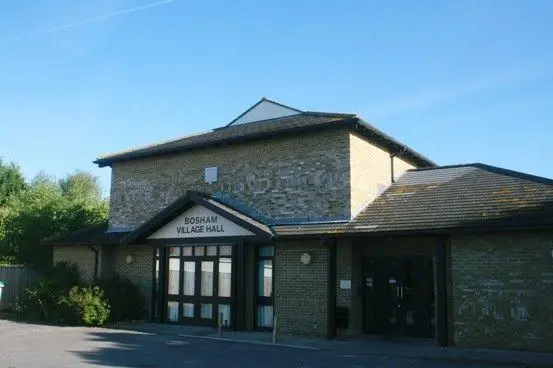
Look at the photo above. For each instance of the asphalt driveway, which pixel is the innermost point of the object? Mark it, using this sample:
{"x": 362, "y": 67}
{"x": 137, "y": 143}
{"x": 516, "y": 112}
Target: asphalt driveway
{"x": 28, "y": 345}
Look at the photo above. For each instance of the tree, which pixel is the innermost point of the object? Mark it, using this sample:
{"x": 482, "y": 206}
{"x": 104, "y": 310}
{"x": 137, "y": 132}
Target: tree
{"x": 11, "y": 181}
{"x": 81, "y": 185}
{"x": 48, "y": 208}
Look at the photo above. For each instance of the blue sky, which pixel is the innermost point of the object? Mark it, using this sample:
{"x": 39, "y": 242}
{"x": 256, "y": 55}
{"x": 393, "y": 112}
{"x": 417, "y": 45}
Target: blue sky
{"x": 459, "y": 81}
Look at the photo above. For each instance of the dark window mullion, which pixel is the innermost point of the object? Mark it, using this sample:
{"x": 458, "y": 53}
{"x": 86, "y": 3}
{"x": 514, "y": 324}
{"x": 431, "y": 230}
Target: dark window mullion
{"x": 197, "y": 289}
{"x": 215, "y": 310}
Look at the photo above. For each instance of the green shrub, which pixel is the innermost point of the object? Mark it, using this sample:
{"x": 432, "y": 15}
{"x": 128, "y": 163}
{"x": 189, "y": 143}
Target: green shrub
{"x": 124, "y": 298}
{"x": 61, "y": 298}
{"x": 63, "y": 276}
{"x": 85, "y": 306}
{"x": 41, "y": 301}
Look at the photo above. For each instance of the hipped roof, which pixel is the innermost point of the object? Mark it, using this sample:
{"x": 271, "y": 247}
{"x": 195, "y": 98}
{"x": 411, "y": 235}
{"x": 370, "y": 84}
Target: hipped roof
{"x": 448, "y": 199}
{"x": 302, "y": 122}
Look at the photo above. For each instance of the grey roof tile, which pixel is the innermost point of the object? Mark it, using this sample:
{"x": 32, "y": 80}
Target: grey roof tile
{"x": 87, "y": 236}
{"x": 295, "y": 124}
{"x": 473, "y": 196}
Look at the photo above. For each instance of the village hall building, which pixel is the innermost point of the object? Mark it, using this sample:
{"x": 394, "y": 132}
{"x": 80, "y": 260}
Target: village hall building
{"x": 327, "y": 225}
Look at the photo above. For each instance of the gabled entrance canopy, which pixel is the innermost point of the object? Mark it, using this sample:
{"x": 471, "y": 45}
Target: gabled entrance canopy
{"x": 198, "y": 215}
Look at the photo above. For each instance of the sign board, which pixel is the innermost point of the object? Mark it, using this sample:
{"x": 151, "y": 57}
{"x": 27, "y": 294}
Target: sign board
{"x": 199, "y": 222}
{"x": 345, "y": 284}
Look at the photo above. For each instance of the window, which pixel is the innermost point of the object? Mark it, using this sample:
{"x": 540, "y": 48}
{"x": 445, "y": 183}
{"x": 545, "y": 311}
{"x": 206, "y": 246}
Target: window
{"x": 207, "y": 278}
{"x": 189, "y": 277}
{"x": 199, "y": 284}
{"x": 188, "y": 310}
{"x": 265, "y": 282}
{"x": 225, "y": 277}
{"x": 174, "y": 276}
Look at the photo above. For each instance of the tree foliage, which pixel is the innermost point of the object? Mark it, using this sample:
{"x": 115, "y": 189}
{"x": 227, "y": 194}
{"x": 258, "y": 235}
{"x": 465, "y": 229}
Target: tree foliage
{"x": 48, "y": 208}
{"x": 11, "y": 181}
{"x": 60, "y": 297}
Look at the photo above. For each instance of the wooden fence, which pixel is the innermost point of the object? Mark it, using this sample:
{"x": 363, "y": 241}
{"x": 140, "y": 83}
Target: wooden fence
{"x": 16, "y": 280}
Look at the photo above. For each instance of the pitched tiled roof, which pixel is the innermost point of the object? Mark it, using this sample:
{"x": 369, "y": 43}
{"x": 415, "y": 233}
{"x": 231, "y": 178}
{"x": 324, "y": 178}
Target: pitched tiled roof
{"x": 298, "y": 123}
{"x": 444, "y": 199}
{"x": 99, "y": 234}
{"x": 184, "y": 203}
{"x": 87, "y": 236}
{"x": 464, "y": 197}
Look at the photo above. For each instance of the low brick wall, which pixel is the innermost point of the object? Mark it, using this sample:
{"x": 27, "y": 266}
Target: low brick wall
{"x": 81, "y": 256}
{"x": 347, "y": 269}
{"x": 503, "y": 290}
{"x": 140, "y": 271}
{"x": 301, "y": 291}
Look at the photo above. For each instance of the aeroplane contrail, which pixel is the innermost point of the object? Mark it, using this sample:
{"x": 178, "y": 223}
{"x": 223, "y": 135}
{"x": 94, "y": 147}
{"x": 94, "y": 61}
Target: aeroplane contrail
{"x": 83, "y": 22}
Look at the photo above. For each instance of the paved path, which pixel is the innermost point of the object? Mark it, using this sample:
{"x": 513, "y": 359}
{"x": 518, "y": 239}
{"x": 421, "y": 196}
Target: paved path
{"x": 27, "y": 345}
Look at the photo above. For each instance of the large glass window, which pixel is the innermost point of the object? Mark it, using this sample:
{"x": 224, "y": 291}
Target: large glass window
{"x": 199, "y": 284}
{"x": 174, "y": 276}
{"x": 225, "y": 250}
{"x": 225, "y": 277}
{"x": 207, "y": 278}
{"x": 188, "y": 310}
{"x": 224, "y": 314}
{"x": 206, "y": 311}
{"x": 266, "y": 251}
{"x": 172, "y": 311}
{"x": 264, "y": 310}
{"x": 189, "y": 277}
{"x": 265, "y": 316}
{"x": 265, "y": 284}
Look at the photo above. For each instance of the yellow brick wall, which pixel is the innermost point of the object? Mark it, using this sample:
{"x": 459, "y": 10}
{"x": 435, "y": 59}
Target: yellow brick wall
{"x": 369, "y": 167}
{"x": 140, "y": 271}
{"x": 502, "y": 290}
{"x": 301, "y": 290}
{"x": 81, "y": 256}
{"x": 401, "y": 166}
{"x": 300, "y": 176}
{"x": 370, "y": 171}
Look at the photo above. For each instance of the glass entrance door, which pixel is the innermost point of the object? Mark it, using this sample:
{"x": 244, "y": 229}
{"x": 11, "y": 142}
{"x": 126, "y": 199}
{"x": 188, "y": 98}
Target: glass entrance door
{"x": 199, "y": 285}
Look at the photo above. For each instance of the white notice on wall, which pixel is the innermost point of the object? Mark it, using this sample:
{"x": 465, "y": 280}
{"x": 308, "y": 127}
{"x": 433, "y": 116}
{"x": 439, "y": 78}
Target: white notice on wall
{"x": 345, "y": 284}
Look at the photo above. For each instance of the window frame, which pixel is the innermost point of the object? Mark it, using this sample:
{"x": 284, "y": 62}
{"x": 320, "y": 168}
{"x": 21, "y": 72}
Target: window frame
{"x": 262, "y": 300}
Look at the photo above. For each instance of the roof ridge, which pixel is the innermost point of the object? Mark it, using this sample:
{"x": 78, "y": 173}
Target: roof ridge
{"x": 453, "y": 166}
{"x": 493, "y": 169}
{"x": 280, "y": 104}
{"x": 301, "y": 122}
{"x": 514, "y": 173}
{"x": 302, "y": 113}
{"x": 333, "y": 114}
